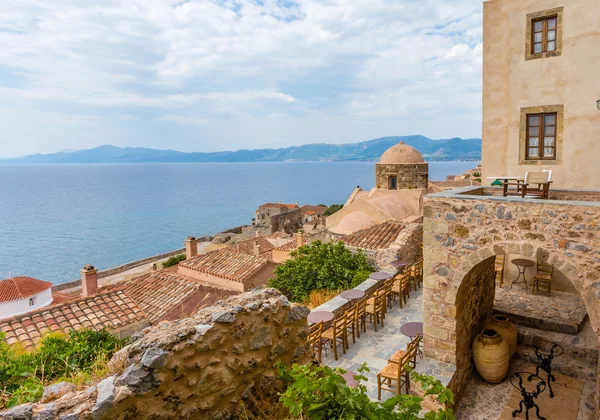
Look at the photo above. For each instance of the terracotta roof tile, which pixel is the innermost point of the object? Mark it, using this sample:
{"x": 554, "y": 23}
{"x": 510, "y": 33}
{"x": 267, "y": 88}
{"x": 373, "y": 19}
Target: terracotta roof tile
{"x": 313, "y": 209}
{"x": 158, "y": 293}
{"x": 248, "y": 247}
{"x": 288, "y": 246}
{"x": 29, "y": 328}
{"x": 278, "y": 206}
{"x": 376, "y": 237}
{"x": 21, "y": 287}
{"x": 230, "y": 265}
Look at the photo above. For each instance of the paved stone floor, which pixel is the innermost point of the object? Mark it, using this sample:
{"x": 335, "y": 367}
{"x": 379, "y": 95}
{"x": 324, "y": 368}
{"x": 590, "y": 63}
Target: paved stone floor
{"x": 375, "y": 348}
{"x": 484, "y": 401}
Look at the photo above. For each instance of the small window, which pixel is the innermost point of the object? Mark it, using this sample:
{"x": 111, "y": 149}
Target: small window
{"x": 32, "y": 301}
{"x": 541, "y": 136}
{"x": 544, "y": 35}
{"x": 393, "y": 183}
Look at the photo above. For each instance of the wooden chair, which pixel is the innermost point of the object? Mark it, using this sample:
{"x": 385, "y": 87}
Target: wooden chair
{"x": 336, "y": 335}
{"x": 361, "y": 315}
{"x": 543, "y": 276}
{"x": 389, "y": 293}
{"x": 499, "y": 268}
{"x": 315, "y": 339}
{"x": 379, "y": 292}
{"x": 412, "y": 349}
{"x": 416, "y": 273}
{"x": 411, "y": 271}
{"x": 401, "y": 287}
{"x": 376, "y": 311}
{"x": 351, "y": 324}
{"x": 420, "y": 272}
{"x": 393, "y": 377}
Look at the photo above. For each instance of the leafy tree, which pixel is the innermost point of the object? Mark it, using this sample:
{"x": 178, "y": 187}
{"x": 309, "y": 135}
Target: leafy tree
{"x": 332, "y": 209}
{"x": 320, "y": 393}
{"x": 329, "y": 266}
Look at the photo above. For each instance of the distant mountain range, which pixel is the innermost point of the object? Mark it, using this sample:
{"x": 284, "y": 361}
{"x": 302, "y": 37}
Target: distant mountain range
{"x": 432, "y": 150}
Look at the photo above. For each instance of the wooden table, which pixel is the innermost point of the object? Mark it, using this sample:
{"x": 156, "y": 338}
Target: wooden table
{"x": 411, "y": 330}
{"x": 400, "y": 265}
{"x": 522, "y": 264}
{"x": 381, "y": 275}
{"x": 317, "y": 316}
{"x": 352, "y": 294}
{"x": 507, "y": 178}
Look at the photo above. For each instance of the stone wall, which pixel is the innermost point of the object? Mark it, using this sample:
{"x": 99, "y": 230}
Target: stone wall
{"x": 202, "y": 367}
{"x": 408, "y": 176}
{"x": 462, "y": 230}
{"x": 288, "y": 222}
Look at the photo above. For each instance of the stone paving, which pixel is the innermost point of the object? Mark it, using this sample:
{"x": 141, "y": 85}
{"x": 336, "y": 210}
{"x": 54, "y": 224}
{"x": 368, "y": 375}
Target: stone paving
{"x": 561, "y": 312}
{"x": 375, "y": 348}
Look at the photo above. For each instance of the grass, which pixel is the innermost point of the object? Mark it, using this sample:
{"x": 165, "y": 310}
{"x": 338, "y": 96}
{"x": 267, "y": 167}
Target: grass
{"x": 319, "y": 297}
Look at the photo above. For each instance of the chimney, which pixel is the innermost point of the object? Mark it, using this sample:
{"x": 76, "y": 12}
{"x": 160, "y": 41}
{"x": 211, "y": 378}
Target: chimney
{"x": 300, "y": 238}
{"x": 257, "y": 234}
{"x": 191, "y": 247}
{"x": 89, "y": 280}
{"x": 256, "y": 249}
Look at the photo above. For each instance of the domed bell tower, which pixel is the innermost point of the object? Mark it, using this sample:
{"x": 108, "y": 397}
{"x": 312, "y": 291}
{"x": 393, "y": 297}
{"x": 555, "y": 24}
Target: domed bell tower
{"x": 401, "y": 167}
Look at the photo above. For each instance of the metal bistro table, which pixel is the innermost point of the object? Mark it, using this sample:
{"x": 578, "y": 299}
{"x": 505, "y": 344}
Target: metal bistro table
{"x": 317, "y": 316}
{"x": 522, "y": 264}
{"x": 411, "y": 330}
{"x": 400, "y": 265}
{"x": 352, "y": 294}
{"x": 381, "y": 275}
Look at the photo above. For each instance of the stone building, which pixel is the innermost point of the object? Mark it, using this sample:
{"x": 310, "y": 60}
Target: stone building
{"x": 277, "y": 217}
{"x": 401, "y": 181}
{"x": 540, "y": 90}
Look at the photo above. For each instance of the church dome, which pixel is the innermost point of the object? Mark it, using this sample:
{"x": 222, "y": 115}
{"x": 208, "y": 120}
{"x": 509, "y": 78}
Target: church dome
{"x": 354, "y": 221}
{"x": 401, "y": 154}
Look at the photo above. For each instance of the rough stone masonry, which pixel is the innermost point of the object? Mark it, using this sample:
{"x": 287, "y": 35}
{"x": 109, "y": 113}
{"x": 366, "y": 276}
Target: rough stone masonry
{"x": 201, "y": 367}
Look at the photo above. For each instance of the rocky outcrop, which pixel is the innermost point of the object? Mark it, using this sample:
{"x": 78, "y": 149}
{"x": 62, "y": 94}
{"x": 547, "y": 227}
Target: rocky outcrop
{"x": 201, "y": 367}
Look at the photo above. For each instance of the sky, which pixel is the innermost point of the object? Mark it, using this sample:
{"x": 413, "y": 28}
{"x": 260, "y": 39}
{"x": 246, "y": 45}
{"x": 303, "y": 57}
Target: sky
{"x": 210, "y": 75}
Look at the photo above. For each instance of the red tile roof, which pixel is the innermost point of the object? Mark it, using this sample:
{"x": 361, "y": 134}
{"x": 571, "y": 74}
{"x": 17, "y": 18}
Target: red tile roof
{"x": 247, "y": 247}
{"x": 278, "y": 206}
{"x": 313, "y": 209}
{"x": 230, "y": 265}
{"x": 288, "y": 246}
{"x": 110, "y": 310}
{"x": 160, "y": 292}
{"x": 21, "y": 287}
{"x": 376, "y": 237}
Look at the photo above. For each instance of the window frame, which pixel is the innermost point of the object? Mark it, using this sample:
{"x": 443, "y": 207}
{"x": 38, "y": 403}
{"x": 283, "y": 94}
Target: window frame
{"x": 524, "y": 132}
{"x": 544, "y": 15}
{"x": 545, "y": 30}
{"x": 541, "y": 136}
{"x": 392, "y": 182}
{"x": 32, "y": 301}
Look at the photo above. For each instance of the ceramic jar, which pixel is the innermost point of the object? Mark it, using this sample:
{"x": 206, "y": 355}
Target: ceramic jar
{"x": 491, "y": 355}
{"x": 506, "y": 329}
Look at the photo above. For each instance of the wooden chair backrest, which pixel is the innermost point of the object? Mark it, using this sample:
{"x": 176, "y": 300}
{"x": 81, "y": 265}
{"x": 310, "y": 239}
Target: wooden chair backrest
{"x": 339, "y": 325}
{"x": 537, "y": 177}
{"x": 316, "y": 330}
{"x": 543, "y": 267}
{"x": 351, "y": 314}
{"x": 404, "y": 360}
{"x": 380, "y": 302}
{"x": 388, "y": 286}
{"x": 361, "y": 307}
{"x": 499, "y": 262}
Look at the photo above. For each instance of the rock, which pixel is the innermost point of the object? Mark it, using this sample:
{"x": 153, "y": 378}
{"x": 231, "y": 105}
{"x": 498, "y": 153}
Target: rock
{"x": 202, "y": 328}
{"x": 106, "y": 397}
{"x": 450, "y": 216}
{"x": 224, "y": 317}
{"x": 121, "y": 392}
{"x": 45, "y": 412}
{"x": 20, "y": 412}
{"x": 284, "y": 301}
{"x": 136, "y": 336}
{"x": 221, "y": 238}
{"x": 138, "y": 378}
{"x": 263, "y": 338}
{"x": 252, "y": 306}
{"x": 237, "y": 309}
{"x": 155, "y": 357}
{"x": 55, "y": 391}
{"x": 296, "y": 313}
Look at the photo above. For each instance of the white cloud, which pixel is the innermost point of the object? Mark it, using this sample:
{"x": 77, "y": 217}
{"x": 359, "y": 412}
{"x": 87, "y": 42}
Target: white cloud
{"x": 292, "y": 72}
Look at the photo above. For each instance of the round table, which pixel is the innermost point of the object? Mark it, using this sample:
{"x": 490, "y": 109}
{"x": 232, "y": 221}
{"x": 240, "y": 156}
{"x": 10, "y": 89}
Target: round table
{"x": 352, "y": 294}
{"x": 349, "y": 377}
{"x": 317, "y": 316}
{"x": 400, "y": 264}
{"x": 381, "y": 275}
{"x": 522, "y": 264}
{"x": 411, "y": 330}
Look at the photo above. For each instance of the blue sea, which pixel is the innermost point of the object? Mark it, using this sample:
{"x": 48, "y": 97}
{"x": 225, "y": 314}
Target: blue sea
{"x": 56, "y": 218}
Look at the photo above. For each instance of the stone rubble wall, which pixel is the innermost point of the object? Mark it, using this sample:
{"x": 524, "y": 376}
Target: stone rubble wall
{"x": 202, "y": 367}
{"x": 460, "y": 231}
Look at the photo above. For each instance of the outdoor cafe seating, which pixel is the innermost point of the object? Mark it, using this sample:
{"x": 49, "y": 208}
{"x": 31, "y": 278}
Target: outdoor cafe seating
{"x": 533, "y": 185}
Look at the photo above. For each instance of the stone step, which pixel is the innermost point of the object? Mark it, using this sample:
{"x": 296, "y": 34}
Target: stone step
{"x": 570, "y": 366}
{"x": 560, "y": 312}
{"x": 583, "y": 345}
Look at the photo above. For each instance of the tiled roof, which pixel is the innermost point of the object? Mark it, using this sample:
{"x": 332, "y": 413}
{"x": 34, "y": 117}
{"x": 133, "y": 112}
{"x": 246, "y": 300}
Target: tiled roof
{"x": 313, "y": 209}
{"x": 289, "y": 246}
{"x": 159, "y": 292}
{"x": 247, "y": 247}
{"x": 376, "y": 237}
{"x": 21, "y": 287}
{"x": 277, "y": 235}
{"x": 278, "y": 206}
{"x": 230, "y": 265}
{"x": 110, "y": 310}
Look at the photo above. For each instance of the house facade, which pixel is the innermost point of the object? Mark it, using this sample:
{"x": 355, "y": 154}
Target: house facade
{"x": 540, "y": 90}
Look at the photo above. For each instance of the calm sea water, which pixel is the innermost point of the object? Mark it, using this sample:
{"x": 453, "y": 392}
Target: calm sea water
{"x": 56, "y": 218}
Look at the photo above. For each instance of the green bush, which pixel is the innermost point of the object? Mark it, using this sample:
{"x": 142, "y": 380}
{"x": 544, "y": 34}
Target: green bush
{"x": 329, "y": 266}
{"x": 174, "y": 260}
{"x": 332, "y": 209}
{"x": 77, "y": 357}
{"x": 320, "y": 393}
